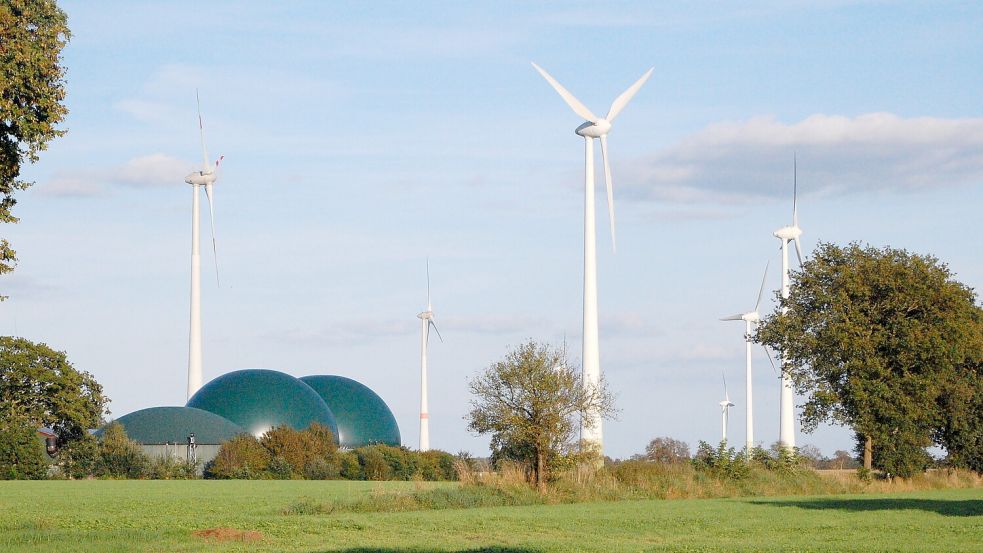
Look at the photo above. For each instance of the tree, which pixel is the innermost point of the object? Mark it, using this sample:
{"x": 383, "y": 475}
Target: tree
{"x": 667, "y": 450}
{"x": 119, "y": 456}
{"x": 22, "y": 455}
{"x": 532, "y": 403}
{"x": 874, "y": 338}
{"x": 32, "y": 92}
{"x": 241, "y": 457}
{"x": 40, "y": 383}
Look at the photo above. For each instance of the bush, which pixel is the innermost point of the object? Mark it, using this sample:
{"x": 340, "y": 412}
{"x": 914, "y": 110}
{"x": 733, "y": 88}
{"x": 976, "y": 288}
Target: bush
{"x": 374, "y": 465}
{"x": 78, "y": 458}
{"x": 22, "y": 455}
{"x": 119, "y": 457}
{"x": 722, "y": 462}
{"x": 167, "y": 467}
{"x": 322, "y": 469}
{"x": 351, "y": 469}
{"x": 280, "y": 468}
{"x": 241, "y": 457}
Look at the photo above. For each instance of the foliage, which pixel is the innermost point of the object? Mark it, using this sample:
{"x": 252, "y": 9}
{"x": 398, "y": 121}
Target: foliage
{"x": 119, "y": 456}
{"x": 40, "y": 383}
{"x": 722, "y": 462}
{"x": 667, "y": 450}
{"x": 241, "y": 457}
{"x": 22, "y": 455}
{"x": 168, "y": 467}
{"x": 875, "y": 339}
{"x": 961, "y": 430}
{"x": 532, "y": 403}
{"x": 78, "y": 458}
{"x": 32, "y": 92}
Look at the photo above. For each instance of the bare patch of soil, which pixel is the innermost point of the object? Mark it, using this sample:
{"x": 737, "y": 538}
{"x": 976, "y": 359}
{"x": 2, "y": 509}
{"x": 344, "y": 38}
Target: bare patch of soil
{"x": 228, "y": 534}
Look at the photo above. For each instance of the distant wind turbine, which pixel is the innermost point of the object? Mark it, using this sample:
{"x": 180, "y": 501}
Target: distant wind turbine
{"x": 426, "y": 321}
{"x": 725, "y": 406}
{"x": 791, "y": 233}
{"x": 594, "y": 127}
{"x": 750, "y": 319}
{"x": 205, "y": 178}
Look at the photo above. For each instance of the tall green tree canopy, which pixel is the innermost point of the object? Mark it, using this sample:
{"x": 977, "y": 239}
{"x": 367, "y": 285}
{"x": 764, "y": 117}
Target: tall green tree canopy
{"x": 532, "y": 403}
{"x": 32, "y": 92}
{"x": 40, "y": 384}
{"x": 875, "y": 339}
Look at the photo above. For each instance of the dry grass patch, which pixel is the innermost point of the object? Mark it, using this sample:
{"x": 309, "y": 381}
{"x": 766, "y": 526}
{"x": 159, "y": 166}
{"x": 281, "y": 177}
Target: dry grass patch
{"x": 228, "y": 534}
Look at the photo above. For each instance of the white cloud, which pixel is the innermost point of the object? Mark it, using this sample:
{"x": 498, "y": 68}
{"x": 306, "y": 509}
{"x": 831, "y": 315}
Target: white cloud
{"x": 747, "y": 160}
{"x": 149, "y": 171}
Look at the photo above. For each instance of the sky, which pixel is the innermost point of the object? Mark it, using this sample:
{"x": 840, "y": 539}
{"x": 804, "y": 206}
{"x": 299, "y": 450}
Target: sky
{"x": 361, "y": 139}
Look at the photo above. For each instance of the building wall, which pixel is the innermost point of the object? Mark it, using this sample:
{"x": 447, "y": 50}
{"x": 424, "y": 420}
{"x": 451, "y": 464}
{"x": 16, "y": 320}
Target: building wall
{"x": 205, "y": 452}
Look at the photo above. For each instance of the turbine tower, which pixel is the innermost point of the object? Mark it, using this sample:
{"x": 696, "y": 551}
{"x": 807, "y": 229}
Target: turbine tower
{"x": 725, "y": 406}
{"x": 199, "y": 179}
{"x": 594, "y": 127}
{"x": 750, "y": 319}
{"x": 426, "y": 321}
{"x": 791, "y": 233}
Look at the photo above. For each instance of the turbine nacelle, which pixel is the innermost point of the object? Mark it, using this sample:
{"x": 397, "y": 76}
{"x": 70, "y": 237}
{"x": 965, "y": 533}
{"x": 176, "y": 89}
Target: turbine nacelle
{"x": 425, "y": 316}
{"x": 726, "y": 404}
{"x": 201, "y": 178}
{"x": 595, "y": 129}
{"x": 788, "y": 233}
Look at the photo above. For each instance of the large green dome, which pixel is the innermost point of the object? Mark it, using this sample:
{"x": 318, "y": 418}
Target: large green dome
{"x": 173, "y": 425}
{"x": 363, "y": 417}
{"x": 259, "y": 399}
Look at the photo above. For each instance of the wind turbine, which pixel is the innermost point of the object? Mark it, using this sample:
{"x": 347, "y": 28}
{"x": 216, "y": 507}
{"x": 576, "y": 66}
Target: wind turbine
{"x": 594, "y": 127}
{"x": 426, "y": 321}
{"x": 750, "y": 319}
{"x": 725, "y": 406}
{"x": 791, "y": 233}
{"x": 199, "y": 179}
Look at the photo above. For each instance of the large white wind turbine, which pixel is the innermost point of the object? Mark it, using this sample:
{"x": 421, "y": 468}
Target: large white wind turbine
{"x": 594, "y": 127}
{"x": 199, "y": 179}
{"x": 750, "y": 319}
{"x": 725, "y": 406}
{"x": 791, "y": 233}
{"x": 426, "y": 321}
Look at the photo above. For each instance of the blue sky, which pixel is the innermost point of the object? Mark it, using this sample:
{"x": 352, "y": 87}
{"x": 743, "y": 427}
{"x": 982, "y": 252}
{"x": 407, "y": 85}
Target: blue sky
{"x": 362, "y": 138}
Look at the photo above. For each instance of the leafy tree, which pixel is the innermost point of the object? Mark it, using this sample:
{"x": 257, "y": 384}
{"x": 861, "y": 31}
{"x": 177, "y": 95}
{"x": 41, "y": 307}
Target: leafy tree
{"x": 119, "y": 456}
{"x": 961, "y": 431}
{"x": 667, "y": 450}
{"x": 844, "y": 460}
{"x": 22, "y": 455}
{"x": 40, "y": 383}
{"x": 32, "y": 92}
{"x": 532, "y": 403}
{"x": 241, "y": 457}
{"x": 77, "y": 459}
{"x": 873, "y": 338}
{"x": 374, "y": 465}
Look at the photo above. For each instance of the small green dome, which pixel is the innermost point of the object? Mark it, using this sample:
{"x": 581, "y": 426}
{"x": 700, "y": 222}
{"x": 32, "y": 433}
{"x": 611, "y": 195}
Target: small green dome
{"x": 170, "y": 425}
{"x": 259, "y": 399}
{"x": 363, "y": 417}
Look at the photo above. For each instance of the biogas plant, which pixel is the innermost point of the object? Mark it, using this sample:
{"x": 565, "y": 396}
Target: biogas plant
{"x": 252, "y": 401}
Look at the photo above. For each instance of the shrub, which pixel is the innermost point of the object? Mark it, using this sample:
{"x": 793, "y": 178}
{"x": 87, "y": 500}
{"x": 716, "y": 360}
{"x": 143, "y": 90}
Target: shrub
{"x": 78, "y": 458}
{"x": 351, "y": 469}
{"x": 374, "y": 465}
{"x": 119, "y": 456}
{"x": 323, "y": 468}
{"x": 22, "y": 455}
{"x": 722, "y": 462}
{"x": 241, "y": 457}
{"x": 280, "y": 468}
{"x": 168, "y": 467}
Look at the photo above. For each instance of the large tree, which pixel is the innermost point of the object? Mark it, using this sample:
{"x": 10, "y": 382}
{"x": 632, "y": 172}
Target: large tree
{"x": 32, "y": 92}
{"x": 38, "y": 383}
{"x": 874, "y": 339}
{"x": 532, "y": 403}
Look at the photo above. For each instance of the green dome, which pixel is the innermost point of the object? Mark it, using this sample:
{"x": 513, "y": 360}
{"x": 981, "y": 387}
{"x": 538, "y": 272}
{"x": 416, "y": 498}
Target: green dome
{"x": 363, "y": 418}
{"x": 259, "y": 399}
{"x": 169, "y": 425}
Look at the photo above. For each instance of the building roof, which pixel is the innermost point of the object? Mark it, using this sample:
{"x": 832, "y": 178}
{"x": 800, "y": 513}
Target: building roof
{"x": 259, "y": 399}
{"x": 363, "y": 417}
{"x": 161, "y": 425}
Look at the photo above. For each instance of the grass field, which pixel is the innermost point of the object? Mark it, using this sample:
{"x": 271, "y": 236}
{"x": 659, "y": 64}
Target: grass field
{"x": 164, "y": 515}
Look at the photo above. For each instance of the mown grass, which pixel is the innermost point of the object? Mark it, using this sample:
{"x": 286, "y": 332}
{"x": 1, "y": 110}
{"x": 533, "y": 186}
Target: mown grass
{"x": 163, "y": 516}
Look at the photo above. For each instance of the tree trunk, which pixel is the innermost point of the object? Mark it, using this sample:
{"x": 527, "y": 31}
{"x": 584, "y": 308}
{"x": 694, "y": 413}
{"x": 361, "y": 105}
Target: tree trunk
{"x": 868, "y": 452}
{"x": 540, "y": 467}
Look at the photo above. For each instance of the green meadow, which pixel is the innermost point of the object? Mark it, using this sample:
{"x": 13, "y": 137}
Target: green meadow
{"x": 137, "y": 515}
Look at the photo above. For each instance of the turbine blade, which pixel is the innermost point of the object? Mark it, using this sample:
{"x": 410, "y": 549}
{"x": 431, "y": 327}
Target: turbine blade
{"x": 726, "y": 393}
{"x": 795, "y": 191}
{"x": 428, "y": 285}
{"x": 738, "y": 317}
{"x": 607, "y": 182}
{"x": 798, "y": 250}
{"x": 577, "y": 107}
{"x": 434, "y": 325}
{"x": 761, "y": 290}
{"x": 621, "y": 101}
{"x": 770, "y": 360}
{"x": 211, "y": 219}
{"x": 201, "y": 133}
